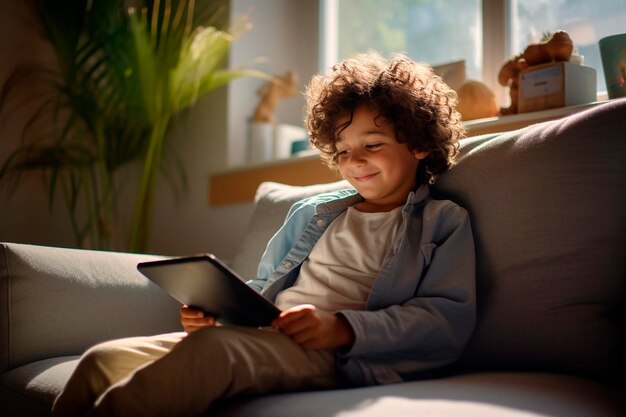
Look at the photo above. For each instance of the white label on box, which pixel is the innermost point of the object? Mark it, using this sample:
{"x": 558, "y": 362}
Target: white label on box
{"x": 543, "y": 82}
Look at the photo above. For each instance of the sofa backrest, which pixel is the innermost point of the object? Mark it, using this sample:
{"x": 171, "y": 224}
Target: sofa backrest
{"x": 547, "y": 204}
{"x": 59, "y": 302}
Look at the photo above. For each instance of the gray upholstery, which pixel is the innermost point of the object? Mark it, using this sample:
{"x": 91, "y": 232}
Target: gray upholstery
{"x": 547, "y": 204}
{"x": 470, "y": 395}
{"x": 61, "y": 301}
{"x": 57, "y": 302}
{"x": 548, "y": 208}
{"x": 30, "y": 389}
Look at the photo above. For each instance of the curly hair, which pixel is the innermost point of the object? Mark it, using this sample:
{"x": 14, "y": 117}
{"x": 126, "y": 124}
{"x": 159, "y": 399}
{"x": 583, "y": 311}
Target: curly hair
{"x": 416, "y": 101}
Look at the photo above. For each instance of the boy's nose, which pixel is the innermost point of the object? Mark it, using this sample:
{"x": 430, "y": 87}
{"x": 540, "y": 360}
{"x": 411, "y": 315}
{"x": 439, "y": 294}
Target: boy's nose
{"x": 357, "y": 157}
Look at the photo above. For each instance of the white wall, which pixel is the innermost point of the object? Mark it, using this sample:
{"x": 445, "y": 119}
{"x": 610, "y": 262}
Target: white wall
{"x": 187, "y": 224}
{"x": 209, "y": 138}
{"x": 284, "y": 34}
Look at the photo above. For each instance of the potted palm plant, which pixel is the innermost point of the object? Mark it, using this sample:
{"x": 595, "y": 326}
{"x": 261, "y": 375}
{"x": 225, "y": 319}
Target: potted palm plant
{"x": 122, "y": 74}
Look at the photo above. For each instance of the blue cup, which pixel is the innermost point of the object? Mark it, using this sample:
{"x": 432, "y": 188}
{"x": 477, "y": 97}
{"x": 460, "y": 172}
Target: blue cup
{"x": 613, "y": 53}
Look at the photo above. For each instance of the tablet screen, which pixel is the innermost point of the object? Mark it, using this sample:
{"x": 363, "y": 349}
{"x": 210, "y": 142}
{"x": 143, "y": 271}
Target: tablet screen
{"x": 204, "y": 282}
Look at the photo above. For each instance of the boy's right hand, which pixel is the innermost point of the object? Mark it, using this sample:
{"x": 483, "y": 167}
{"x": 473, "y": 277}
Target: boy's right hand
{"x": 193, "y": 319}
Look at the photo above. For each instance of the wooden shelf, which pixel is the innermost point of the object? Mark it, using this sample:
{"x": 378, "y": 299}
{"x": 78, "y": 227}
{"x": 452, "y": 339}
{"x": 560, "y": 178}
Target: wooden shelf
{"x": 517, "y": 121}
{"x": 240, "y": 185}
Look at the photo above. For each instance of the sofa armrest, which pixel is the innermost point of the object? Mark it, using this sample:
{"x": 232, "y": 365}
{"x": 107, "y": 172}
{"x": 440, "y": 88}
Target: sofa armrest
{"x": 58, "y": 302}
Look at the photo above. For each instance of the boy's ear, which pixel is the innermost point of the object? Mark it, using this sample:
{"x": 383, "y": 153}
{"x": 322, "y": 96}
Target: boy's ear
{"x": 421, "y": 154}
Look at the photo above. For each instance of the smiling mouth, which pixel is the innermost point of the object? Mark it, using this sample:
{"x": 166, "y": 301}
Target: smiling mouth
{"x": 364, "y": 178}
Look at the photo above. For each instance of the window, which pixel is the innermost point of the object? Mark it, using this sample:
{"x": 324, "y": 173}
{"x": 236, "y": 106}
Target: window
{"x": 419, "y": 28}
{"x": 483, "y": 33}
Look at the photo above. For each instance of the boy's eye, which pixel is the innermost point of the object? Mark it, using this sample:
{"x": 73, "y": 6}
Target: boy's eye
{"x": 342, "y": 153}
{"x": 373, "y": 146}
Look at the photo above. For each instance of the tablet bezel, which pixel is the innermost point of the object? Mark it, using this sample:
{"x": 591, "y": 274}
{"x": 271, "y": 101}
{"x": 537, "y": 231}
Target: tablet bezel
{"x": 206, "y": 283}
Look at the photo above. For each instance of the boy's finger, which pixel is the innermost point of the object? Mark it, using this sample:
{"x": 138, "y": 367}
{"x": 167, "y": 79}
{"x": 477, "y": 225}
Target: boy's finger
{"x": 294, "y": 313}
{"x": 287, "y": 318}
{"x": 191, "y": 313}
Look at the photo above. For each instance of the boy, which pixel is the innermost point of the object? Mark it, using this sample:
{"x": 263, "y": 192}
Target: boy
{"x": 376, "y": 284}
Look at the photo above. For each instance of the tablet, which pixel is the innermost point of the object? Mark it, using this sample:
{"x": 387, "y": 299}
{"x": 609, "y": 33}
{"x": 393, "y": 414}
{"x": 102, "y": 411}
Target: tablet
{"x": 204, "y": 282}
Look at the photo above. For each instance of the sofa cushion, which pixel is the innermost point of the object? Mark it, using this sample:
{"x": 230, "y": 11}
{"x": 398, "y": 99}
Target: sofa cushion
{"x": 548, "y": 205}
{"x": 472, "y": 395}
{"x": 30, "y": 389}
{"x": 272, "y": 201}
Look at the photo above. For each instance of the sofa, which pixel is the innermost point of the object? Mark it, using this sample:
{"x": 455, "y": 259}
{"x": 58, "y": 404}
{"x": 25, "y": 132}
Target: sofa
{"x": 547, "y": 204}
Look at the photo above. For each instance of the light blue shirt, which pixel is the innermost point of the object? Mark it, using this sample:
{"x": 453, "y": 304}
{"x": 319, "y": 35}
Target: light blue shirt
{"x": 421, "y": 309}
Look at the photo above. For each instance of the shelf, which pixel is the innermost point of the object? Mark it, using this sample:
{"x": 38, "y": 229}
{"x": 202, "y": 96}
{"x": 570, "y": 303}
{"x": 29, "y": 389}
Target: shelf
{"x": 517, "y": 121}
{"x": 240, "y": 184}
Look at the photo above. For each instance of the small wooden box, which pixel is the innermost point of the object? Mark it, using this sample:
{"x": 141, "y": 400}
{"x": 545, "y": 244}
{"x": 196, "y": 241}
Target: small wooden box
{"x": 556, "y": 84}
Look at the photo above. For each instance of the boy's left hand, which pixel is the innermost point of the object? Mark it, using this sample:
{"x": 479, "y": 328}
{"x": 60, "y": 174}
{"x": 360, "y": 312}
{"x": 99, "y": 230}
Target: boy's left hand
{"x": 315, "y": 329}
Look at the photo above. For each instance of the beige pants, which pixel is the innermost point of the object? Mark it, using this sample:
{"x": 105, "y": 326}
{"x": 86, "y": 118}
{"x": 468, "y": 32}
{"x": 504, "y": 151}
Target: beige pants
{"x": 179, "y": 375}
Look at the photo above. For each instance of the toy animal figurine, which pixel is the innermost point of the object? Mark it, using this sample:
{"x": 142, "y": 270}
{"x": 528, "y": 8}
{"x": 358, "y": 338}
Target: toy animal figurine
{"x": 476, "y": 101}
{"x": 556, "y": 47}
{"x": 271, "y": 93}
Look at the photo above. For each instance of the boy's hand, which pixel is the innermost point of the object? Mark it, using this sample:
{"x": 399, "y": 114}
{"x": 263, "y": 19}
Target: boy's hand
{"x": 193, "y": 319}
{"x": 315, "y": 329}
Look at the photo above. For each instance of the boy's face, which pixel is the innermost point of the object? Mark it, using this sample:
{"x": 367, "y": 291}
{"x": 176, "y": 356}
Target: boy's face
{"x": 370, "y": 158}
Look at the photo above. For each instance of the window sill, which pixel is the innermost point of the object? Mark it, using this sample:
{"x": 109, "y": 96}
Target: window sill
{"x": 517, "y": 121}
{"x": 240, "y": 185}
